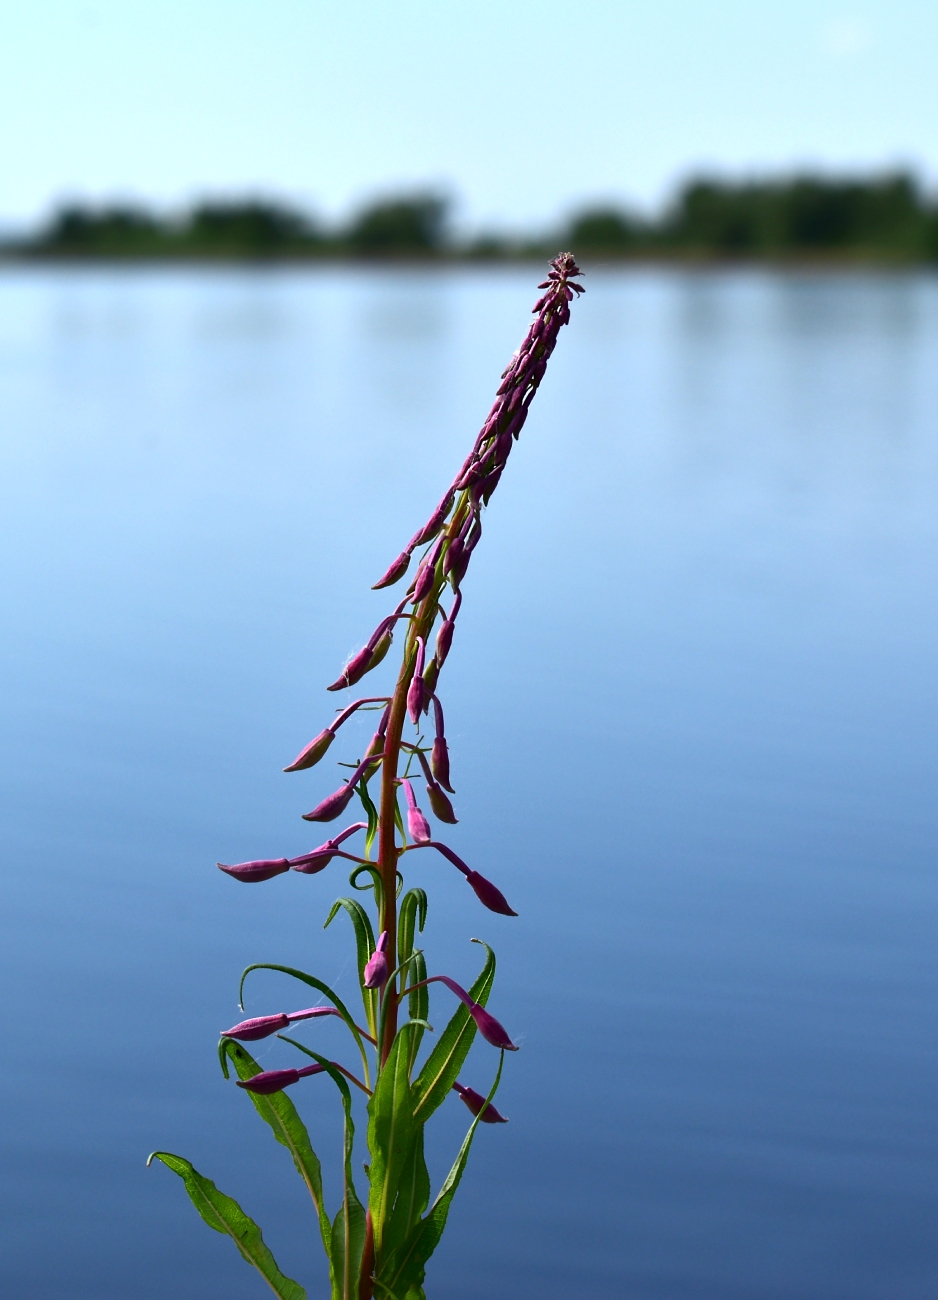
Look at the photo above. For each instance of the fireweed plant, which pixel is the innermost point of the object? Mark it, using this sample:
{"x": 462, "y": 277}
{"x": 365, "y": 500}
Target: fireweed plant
{"x": 381, "y": 1249}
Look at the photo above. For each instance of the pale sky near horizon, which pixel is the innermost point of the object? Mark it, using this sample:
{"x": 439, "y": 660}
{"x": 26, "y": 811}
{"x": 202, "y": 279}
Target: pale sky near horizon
{"x": 521, "y": 109}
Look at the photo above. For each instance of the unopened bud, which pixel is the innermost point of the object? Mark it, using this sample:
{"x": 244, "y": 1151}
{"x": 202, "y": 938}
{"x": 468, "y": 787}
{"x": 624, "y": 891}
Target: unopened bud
{"x": 430, "y": 676}
{"x": 262, "y": 869}
{"x": 415, "y": 691}
{"x": 439, "y": 755}
{"x": 376, "y": 969}
{"x": 417, "y": 824}
{"x": 394, "y": 573}
{"x": 489, "y": 895}
{"x": 269, "y": 1081}
{"x": 334, "y": 805}
{"x": 313, "y": 752}
{"x": 440, "y": 804}
{"x": 476, "y": 1103}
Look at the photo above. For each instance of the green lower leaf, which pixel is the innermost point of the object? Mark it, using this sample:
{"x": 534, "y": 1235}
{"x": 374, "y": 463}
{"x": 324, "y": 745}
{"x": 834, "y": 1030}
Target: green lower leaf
{"x": 279, "y": 1112}
{"x": 403, "y": 1269}
{"x": 432, "y": 1085}
{"x": 392, "y": 1134}
{"x": 225, "y": 1215}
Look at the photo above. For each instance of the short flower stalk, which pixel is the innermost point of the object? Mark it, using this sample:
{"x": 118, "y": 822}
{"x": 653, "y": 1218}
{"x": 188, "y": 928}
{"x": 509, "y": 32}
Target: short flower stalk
{"x": 379, "y": 1246}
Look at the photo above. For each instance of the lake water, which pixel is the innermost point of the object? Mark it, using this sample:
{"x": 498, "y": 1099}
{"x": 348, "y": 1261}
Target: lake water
{"x": 692, "y": 707}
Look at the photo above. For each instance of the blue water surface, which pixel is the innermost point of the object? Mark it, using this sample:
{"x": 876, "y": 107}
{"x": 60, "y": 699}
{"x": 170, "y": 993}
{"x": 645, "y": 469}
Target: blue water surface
{"x": 692, "y": 708}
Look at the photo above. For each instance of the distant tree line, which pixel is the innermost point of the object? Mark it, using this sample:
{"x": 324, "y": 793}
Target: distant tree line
{"x": 880, "y": 218}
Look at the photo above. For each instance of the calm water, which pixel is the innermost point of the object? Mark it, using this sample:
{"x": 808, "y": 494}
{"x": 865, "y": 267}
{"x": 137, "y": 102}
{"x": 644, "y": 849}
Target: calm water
{"x": 692, "y": 704}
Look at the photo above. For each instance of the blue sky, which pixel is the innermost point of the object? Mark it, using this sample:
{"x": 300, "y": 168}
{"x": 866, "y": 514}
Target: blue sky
{"x": 521, "y": 108}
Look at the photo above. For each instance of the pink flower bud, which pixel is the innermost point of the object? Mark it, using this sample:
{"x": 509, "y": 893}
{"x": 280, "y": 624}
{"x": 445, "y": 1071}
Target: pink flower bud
{"x": 415, "y": 691}
{"x": 417, "y": 824}
{"x": 354, "y": 670}
{"x": 334, "y": 805}
{"x": 394, "y": 573}
{"x": 430, "y": 677}
{"x": 439, "y": 755}
{"x": 249, "y": 1031}
{"x": 269, "y": 1081}
{"x": 376, "y": 969}
{"x": 368, "y": 657}
{"x": 433, "y": 524}
{"x": 476, "y": 1103}
{"x": 489, "y": 895}
{"x": 313, "y": 752}
{"x": 310, "y": 863}
{"x": 263, "y": 869}
{"x": 491, "y": 1030}
{"x": 440, "y": 804}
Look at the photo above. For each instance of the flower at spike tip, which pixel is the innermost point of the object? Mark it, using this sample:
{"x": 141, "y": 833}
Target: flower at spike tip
{"x": 269, "y": 1081}
{"x": 476, "y": 1103}
{"x": 376, "y": 968}
{"x": 250, "y": 1031}
{"x": 251, "y": 872}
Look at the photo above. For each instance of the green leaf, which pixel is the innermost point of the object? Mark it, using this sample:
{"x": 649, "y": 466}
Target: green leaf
{"x": 418, "y": 1008}
{"x": 371, "y": 813}
{"x": 404, "y": 1269}
{"x": 348, "y": 1229}
{"x": 413, "y": 915}
{"x": 365, "y": 946}
{"x": 277, "y": 1110}
{"x": 314, "y": 983}
{"x": 225, "y": 1215}
{"x": 392, "y": 1134}
{"x": 442, "y": 1066}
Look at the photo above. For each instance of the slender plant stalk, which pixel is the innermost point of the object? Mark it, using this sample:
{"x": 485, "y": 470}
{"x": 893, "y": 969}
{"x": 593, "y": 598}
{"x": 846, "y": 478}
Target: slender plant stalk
{"x": 381, "y": 1249}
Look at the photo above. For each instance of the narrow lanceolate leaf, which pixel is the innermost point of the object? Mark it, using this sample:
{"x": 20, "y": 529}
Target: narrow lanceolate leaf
{"x": 225, "y": 1215}
{"x": 365, "y": 946}
{"x": 314, "y": 983}
{"x": 392, "y": 1134}
{"x": 411, "y": 917}
{"x": 402, "y": 1271}
{"x": 371, "y": 813}
{"x": 277, "y": 1110}
{"x": 442, "y": 1066}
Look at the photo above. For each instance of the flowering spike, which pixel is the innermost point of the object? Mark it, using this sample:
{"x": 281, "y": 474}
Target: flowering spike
{"x": 269, "y": 1081}
{"x": 376, "y": 968}
{"x": 251, "y": 872}
{"x": 417, "y": 824}
{"x": 476, "y": 1103}
{"x": 415, "y": 691}
{"x": 394, "y": 573}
